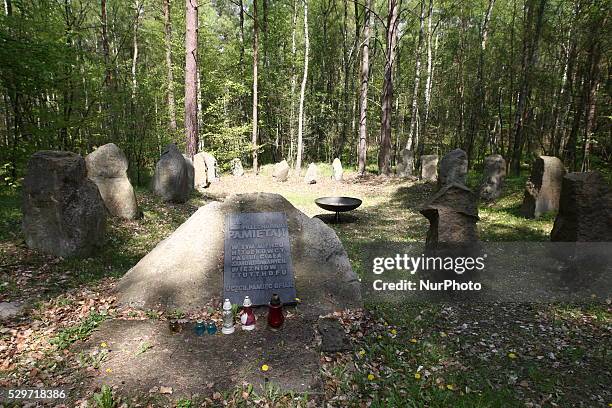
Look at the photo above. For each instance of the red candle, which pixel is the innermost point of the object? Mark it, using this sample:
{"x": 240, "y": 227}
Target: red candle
{"x": 275, "y": 312}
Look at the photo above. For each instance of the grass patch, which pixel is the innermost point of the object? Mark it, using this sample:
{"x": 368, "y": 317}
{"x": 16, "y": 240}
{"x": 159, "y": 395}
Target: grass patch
{"x": 458, "y": 367}
{"x": 10, "y": 212}
{"x": 79, "y": 331}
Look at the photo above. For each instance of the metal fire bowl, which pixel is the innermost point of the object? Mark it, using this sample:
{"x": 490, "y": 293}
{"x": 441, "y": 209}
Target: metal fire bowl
{"x": 338, "y": 204}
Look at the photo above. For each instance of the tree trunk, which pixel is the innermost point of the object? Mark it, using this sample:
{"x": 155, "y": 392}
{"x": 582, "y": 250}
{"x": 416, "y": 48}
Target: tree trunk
{"x": 191, "y": 70}
{"x": 530, "y": 52}
{"x": 384, "y": 155}
{"x": 105, "y": 45}
{"x": 478, "y": 110}
{"x": 346, "y": 65}
{"x": 591, "y": 87}
{"x": 138, "y": 7}
{"x": 363, "y": 94}
{"x": 563, "y": 103}
{"x": 255, "y": 66}
{"x": 300, "y": 144}
{"x": 430, "y": 69}
{"x": 241, "y": 18}
{"x": 414, "y": 110}
{"x": 293, "y": 85}
{"x": 170, "y": 75}
{"x": 431, "y": 52}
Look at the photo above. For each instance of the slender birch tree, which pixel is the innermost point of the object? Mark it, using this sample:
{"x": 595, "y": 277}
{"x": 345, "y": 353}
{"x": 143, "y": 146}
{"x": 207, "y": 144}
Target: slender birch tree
{"x": 384, "y": 154}
{"x": 363, "y": 91}
{"x": 300, "y": 143}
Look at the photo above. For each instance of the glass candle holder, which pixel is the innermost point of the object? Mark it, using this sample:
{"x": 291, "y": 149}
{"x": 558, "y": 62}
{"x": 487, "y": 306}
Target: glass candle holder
{"x": 275, "y": 312}
{"x": 199, "y": 328}
{"x": 211, "y": 328}
{"x": 228, "y": 318}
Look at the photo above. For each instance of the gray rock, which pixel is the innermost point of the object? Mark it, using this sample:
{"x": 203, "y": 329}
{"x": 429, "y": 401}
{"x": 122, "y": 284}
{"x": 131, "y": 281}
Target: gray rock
{"x": 237, "y": 169}
{"x": 452, "y": 213}
{"x": 171, "y": 180}
{"x": 212, "y": 168}
{"x": 585, "y": 209}
{"x": 493, "y": 177}
{"x": 312, "y": 174}
{"x": 281, "y": 171}
{"x": 9, "y": 310}
{"x": 200, "y": 176}
{"x": 107, "y": 167}
{"x": 333, "y": 337}
{"x": 186, "y": 269}
{"x": 63, "y": 212}
{"x": 453, "y": 168}
{"x": 429, "y": 167}
{"x": 406, "y": 164}
{"x": 543, "y": 189}
{"x": 190, "y": 171}
{"x": 338, "y": 173}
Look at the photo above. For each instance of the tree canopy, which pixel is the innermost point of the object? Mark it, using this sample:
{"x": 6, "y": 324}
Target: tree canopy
{"x": 514, "y": 77}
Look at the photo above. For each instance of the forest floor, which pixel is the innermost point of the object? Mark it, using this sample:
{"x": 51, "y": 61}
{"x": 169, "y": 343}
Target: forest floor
{"x": 407, "y": 355}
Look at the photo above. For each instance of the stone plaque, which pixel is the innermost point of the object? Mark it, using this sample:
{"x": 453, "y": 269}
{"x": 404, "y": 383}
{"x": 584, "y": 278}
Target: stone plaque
{"x": 257, "y": 258}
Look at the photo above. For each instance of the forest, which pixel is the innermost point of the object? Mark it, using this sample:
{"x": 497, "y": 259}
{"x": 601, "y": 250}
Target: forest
{"x": 306, "y": 80}
{"x": 116, "y": 265}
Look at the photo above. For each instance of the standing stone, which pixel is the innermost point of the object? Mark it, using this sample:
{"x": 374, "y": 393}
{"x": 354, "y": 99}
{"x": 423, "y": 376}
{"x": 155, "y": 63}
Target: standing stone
{"x": 107, "y": 167}
{"x": 543, "y": 189}
{"x": 63, "y": 212}
{"x": 281, "y": 171}
{"x": 171, "y": 179}
{"x": 212, "y": 168}
{"x": 190, "y": 171}
{"x": 452, "y": 213}
{"x": 493, "y": 177}
{"x": 312, "y": 174}
{"x": 429, "y": 167}
{"x": 237, "y": 169}
{"x": 338, "y": 170}
{"x": 200, "y": 172}
{"x": 585, "y": 209}
{"x": 453, "y": 168}
{"x": 406, "y": 163}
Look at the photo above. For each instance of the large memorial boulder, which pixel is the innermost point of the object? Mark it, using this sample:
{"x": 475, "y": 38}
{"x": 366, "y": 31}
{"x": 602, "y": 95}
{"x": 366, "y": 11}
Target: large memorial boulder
{"x": 185, "y": 271}
{"x": 107, "y": 167}
{"x": 281, "y": 171}
{"x": 63, "y": 212}
{"x": 585, "y": 209}
{"x": 406, "y": 164}
{"x": 429, "y": 167}
{"x": 543, "y": 189}
{"x": 453, "y": 168}
{"x": 452, "y": 213}
{"x": 312, "y": 174}
{"x": 493, "y": 177}
{"x": 338, "y": 171}
{"x": 237, "y": 169}
{"x": 171, "y": 180}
